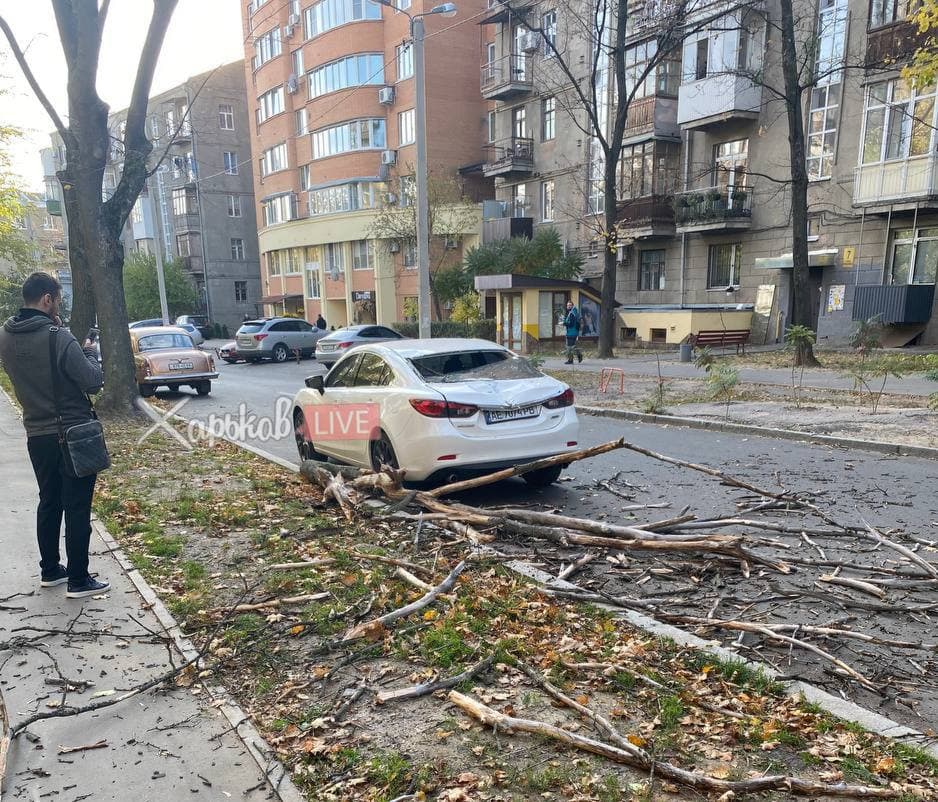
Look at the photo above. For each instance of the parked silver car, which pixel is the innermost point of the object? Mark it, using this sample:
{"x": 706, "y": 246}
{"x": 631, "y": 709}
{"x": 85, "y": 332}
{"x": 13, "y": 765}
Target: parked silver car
{"x": 277, "y": 338}
{"x": 330, "y": 349}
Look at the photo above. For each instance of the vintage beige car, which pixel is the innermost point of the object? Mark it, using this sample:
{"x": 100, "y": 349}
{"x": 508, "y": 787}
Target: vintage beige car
{"x": 165, "y": 356}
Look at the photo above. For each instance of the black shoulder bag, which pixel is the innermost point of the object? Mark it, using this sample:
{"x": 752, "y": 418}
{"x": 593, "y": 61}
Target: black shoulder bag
{"x": 83, "y": 448}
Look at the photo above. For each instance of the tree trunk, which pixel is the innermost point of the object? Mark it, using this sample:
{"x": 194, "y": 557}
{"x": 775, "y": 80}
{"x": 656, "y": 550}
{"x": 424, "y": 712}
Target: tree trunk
{"x": 801, "y": 290}
{"x": 82, "y": 315}
{"x": 607, "y": 311}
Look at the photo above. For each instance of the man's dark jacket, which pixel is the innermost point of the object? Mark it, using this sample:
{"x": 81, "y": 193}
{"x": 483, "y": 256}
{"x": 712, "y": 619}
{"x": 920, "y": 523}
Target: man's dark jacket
{"x": 24, "y": 353}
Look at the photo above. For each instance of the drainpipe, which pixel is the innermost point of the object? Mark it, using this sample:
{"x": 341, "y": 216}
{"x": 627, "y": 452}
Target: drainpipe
{"x": 856, "y": 277}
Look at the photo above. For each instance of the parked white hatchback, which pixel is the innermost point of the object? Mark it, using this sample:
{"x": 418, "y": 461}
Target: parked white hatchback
{"x": 440, "y": 409}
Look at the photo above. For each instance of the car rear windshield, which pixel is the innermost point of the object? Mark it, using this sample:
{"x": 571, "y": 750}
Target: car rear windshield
{"x": 155, "y": 342}
{"x": 468, "y": 365}
{"x": 250, "y": 328}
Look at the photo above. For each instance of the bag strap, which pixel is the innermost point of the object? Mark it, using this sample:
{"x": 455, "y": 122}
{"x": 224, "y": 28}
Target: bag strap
{"x": 56, "y": 378}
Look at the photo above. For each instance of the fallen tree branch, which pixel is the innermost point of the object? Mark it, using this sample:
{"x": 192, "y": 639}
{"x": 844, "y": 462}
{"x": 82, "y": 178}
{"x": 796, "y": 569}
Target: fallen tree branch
{"x": 856, "y": 584}
{"x": 273, "y": 604}
{"x": 416, "y": 691}
{"x": 911, "y": 556}
{"x": 5, "y": 738}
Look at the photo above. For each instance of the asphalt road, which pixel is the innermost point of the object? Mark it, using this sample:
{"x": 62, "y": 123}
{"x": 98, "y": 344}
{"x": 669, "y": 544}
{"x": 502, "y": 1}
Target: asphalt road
{"x": 896, "y": 494}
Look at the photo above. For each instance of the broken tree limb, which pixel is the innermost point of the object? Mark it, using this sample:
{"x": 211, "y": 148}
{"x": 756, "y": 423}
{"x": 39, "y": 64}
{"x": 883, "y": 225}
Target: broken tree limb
{"x": 407, "y": 576}
{"x": 520, "y": 470}
{"x": 874, "y": 535}
{"x": 416, "y": 691}
{"x": 626, "y": 753}
{"x": 5, "y": 736}
{"x": 300, "y": 565}
{"x": 571, "y": 569}
{"x": 273, "y": 604}
{"x": 856, "y": 584}
{"x": 377, "y": 625}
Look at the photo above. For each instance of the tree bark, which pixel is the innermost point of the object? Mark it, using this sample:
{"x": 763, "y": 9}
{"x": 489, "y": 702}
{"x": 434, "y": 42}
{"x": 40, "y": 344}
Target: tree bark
{"x": 801, "y": 290}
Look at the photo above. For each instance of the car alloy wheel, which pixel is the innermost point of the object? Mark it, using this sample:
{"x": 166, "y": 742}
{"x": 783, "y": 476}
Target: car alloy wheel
{"x": 382, "y": 453}
{"x": 280, "y": 353}
{"x": 304, "y": 447}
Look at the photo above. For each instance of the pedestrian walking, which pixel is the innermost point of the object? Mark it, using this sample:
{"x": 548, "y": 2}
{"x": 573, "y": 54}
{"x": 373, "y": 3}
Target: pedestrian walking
{"x": 52, "y": 376}
{"x": 321, "y": 322}
{"x": 572, "y": 323}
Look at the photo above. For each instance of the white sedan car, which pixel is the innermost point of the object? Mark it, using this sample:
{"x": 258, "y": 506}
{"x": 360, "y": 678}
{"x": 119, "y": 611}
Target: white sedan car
{"x": 440, "y": 409}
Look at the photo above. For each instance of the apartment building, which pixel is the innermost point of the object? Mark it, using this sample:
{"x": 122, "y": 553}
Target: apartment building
{"x": 198, "y": 205}
{"x": 705, "y": 202}
{"x": 331, "y": 87}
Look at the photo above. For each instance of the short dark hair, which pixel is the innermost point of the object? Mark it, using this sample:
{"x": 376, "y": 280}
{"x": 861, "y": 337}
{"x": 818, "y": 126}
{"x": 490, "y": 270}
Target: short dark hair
{"x": 39, "y": 284}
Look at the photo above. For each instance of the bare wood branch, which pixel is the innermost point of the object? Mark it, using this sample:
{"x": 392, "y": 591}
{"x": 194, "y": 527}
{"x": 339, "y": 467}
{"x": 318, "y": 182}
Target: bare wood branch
{"x": 416, "y": 691}
{"x": 856, "y": 584}
{"x": 273, "y": 604}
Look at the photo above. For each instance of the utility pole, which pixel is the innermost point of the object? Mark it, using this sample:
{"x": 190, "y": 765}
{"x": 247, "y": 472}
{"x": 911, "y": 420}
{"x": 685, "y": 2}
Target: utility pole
{"x": 423, "y": 212}
{"x": 160, "y": 278}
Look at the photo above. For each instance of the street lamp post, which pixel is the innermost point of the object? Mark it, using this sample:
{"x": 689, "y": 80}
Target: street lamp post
{"x": 423, "y": 201}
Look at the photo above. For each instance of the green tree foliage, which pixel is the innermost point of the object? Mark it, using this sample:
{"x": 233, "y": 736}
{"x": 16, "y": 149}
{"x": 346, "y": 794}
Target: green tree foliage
{"x": 141, "y": 287}
{"x": 923, "y": 69}
{"x": 541, "y": 256}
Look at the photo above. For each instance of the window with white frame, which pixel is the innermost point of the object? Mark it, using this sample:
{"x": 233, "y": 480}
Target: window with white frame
{"x": 914, "y": 256}
{"x": 490, "y": 126}
{"x": 269, "y": 104}
{"x": 519, "y": 200}
{"x": 313, "y": 289}
{"x": 234, "y": 205}
{"x": 408, "y": 190}
{"x": 335, "y": 260}
{"x": 136, "y": 213}
{"x": 328, "y": 14}
{"x": 343, "y": 198}
{"x": 226, "y": 116}
{"x": 296, "y": 58}
{"x": 406, "y": 127}
{"x": 231, "y": 162}
{"x": 304, "y": 176}
{"x": 402, "y": 5}
{"x": 179, "y": 202}
{"x": 279, "y": 209}
{"x": 241, "y": 292}
{"x": 409, "y": 253}
{"x": 661, "y": 75}
{"x": 548, "y": 118}
{"x": 883, "y": 12}
{"x": 405, "y": 61}
{"x": 651, "y": 269}
{"x": 723, "y": 265}
{"x": 731, "y": 164}
{"x": 824, "y": 112}
{"x": 183, "y": 245}
{"x": 237, "y": 249}
{"x": 302, "y": 121}
{"x": 361, "y": 69}
{"x": 274, "y": 159}
{"x": 549, "y": 28}
{"x": 368, "y": 134}
{"x": 273, "y": 263}
{"x": 547, "y": 200}
{"x": 898, "y": 121}
{"x": 267, "y": 46}
{"x": 363, "y": 254}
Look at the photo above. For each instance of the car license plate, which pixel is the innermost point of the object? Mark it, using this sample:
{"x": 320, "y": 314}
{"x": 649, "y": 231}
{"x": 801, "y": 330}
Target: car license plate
{"x": 518, "y": 413}
{"x": 327, "y": 348}
{"x": 180, "y": 366}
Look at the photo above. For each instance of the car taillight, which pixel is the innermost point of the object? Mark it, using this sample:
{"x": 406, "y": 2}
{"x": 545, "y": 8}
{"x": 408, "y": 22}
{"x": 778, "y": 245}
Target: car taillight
{"x": 565, "y": 399}
{"x": 345, "y": 345}
{"x": 259, "y": 337}
{"x": 442, "y": 409}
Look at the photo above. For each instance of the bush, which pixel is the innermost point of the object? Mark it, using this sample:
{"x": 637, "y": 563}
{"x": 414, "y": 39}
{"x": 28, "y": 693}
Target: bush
{"x": 483, "y": 329}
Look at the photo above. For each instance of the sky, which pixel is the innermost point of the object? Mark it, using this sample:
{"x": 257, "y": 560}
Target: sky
{"x": 203, "y": 34}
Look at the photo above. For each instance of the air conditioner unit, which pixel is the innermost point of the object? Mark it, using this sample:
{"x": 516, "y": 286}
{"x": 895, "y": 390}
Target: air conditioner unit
{"x": 386, "y": 95}
{"x": 389, "y": 157}
{"x": 288, "y": 31}
{"x": 293, "y": 19}
{"x": 293, "y": 84}
{"x": 394, "y": 246}
{"x": 530, "y": 42}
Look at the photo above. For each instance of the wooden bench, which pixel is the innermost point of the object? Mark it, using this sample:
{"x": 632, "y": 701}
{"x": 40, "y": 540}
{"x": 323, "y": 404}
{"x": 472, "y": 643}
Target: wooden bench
{"x": 723, "y": 338}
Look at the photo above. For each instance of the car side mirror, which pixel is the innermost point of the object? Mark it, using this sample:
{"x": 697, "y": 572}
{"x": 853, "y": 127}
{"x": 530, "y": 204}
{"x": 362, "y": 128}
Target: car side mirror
{"x": 316, "y": 383}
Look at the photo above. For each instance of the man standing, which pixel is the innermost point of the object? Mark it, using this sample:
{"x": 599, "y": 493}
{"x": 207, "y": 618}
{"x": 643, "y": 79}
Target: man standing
{"x": 571, "y": 322}
{"x": 25, "y": 354}
{"x": 321, "y": 322}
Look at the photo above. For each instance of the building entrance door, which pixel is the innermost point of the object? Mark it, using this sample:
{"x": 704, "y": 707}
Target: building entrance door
{"x": 511, "y": 320}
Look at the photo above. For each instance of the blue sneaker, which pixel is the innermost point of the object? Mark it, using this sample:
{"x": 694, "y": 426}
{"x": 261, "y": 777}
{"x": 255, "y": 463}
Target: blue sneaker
{"x": 57, "y": 576}
{"x": 90, "y": 587}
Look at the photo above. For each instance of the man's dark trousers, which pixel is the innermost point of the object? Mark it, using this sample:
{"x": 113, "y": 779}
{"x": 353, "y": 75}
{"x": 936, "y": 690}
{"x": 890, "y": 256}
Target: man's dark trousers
{"x": 60, "y": 493}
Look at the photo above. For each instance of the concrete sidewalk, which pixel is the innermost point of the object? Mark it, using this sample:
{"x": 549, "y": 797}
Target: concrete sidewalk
{"x": 819, "y": 378}
{"x": 164, "y": 744}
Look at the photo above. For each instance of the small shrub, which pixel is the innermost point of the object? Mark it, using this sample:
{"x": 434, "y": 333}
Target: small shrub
{"x": 722, "y": 380}
{"x": 705, "y": 359}
{"x": 867, "y": 336}
{"x": 798, "y": 339}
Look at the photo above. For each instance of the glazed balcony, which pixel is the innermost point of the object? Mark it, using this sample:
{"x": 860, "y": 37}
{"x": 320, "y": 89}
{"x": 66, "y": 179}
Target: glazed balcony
{"x": 884, "y": 183}
{"x": 718, "y": 99}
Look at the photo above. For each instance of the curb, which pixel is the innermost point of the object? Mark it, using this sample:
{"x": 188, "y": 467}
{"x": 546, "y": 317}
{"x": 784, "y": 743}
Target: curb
{"x": 893, "y": 449}
{"x": 265, "y": 758}
{"x": 874, "y": 722}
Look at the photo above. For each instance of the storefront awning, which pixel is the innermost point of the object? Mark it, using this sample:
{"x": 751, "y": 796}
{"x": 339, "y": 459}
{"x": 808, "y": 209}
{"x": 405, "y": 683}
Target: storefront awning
{"x": 825, "y": 258}
{"x": 276, "y": 299}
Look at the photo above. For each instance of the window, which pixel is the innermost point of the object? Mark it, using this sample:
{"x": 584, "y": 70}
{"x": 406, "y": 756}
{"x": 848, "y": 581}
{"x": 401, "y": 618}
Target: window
{"x": 362, "y": 251}
{"x": 549, "y": 28}
{"x": 408, "y": 187}
{"x": 702, "y": 56}
{"x": 358, "y": 70}
{"x": 269, "y": 104}
{"x": 328, "y": 14}
{"x": 273, "y": 263}
{"x": 373, "y": 372}
{"x": 651, "y": 270}
{"x": 406, "y": 127}
{"x": 226, "y": 116}
{"x": 519, "y": 200}
{"x": 547, "y": 200}
{"x": 279, "y": 209}
{"x": 234, "y": 205}
{"x": 335, "y": 260}
{"x": 313, "y": 289}
{"x": 650, "y": 168}
{"x": 231, "y": 162}
{"x": 179, "y": 201}
{"x": 914, "y": 256}
{"x": 664, "y": 78}
{"x": 409, "y": 253}
{"x": 136, "y": 213}
{"x": 898, "y": 121}
{"x": 401, "y": 5}
{"x": 297, "y": 59}
{"x": 302, "y": 122}
{"x": 344, "y": 375}
{"x": 724, "y": 264}
{"x": 241, "y": 292}
{"x": 519, "y": 126}
{"x": 730, "y": 163}
{"x": 237, "y": 249}
{"x": 551, "y": 308}
{"x": 267, "y": 46}
{"x": 366, "y": 134}
{"x": 183, "y": 245}
{"x": 490, "y": 125}
{"x": 343, "y": 198}
{"x": 882, "y": 12}
{"x": 304, "y": 176}
{"x": 548, "y": 118}
{"x": 822, "y": 130}
{"x": 405, "y": 61}
{"x": 274, "y": 159}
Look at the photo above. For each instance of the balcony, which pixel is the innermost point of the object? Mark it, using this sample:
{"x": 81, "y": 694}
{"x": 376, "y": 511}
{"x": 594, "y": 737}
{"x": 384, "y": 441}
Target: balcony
{"x": 54, "y": 207}
{"x": 502, "y": 228}
{"x": 714, "y": 209}
{"x": 184, "y": 134}
{"x": 188, "y": 221}
{"x": 896, "y": 181}
{"x": 512, "y": 157}
{"x": 892, "y": 44}
{"x": 507, "y": 77}
{"x": 894, "y": 303}
{"x": 652, "y": 115}
{"x": 642, "y": 218}
{"x": 717, "y": 99}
